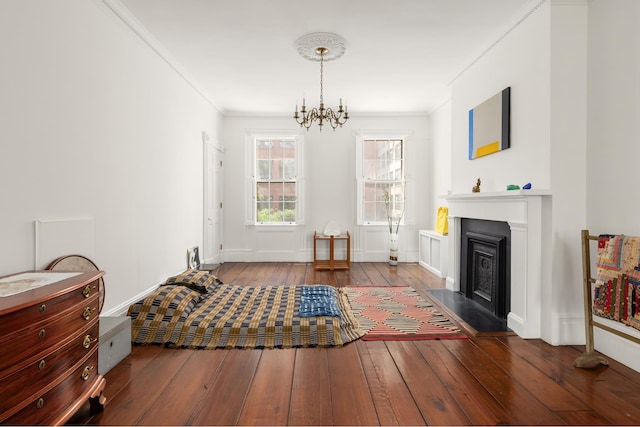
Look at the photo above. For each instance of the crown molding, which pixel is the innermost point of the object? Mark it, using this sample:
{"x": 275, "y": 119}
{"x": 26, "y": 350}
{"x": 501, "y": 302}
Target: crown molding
{"x": 518, "y": 19}
{"x": 125, "y": 15}
{"x": 569, "y": 2}
{"x": 514, "y": 23}
{"x": 287, "y": 115}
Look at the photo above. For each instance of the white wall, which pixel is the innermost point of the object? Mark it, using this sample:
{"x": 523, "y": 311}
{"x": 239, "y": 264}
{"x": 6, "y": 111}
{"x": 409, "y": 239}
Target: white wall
{"x": 96, "y": 124}
{"x": 613, "y": 135}
{"x": 568, "y": 130}
{"x": 522, "y": 61}
{"x": 441, "y": 154}
{"x": 543, "y": 60}
{"x": 330, "y": 190}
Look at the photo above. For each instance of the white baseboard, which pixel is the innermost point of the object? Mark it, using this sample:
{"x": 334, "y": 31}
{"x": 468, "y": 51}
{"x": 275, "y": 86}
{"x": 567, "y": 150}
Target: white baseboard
{"x": 122, "y": 308}
{"x": 516, "y": 324}
{"x": 568, "y": 329}
{"x": 307, "y": 256}
{"x": 620, "y": 349}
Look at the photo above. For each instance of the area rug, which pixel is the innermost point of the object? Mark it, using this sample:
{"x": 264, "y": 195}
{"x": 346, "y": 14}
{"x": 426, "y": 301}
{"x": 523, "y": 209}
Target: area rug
{"x": 399, "y": 313}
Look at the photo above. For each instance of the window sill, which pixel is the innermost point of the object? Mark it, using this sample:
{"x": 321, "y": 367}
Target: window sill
{"x": 275, "y": 227}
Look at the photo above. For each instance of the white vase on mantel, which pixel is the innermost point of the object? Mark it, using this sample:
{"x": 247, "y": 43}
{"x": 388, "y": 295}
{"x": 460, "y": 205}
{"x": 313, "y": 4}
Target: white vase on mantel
{"x": 393, "y": 249}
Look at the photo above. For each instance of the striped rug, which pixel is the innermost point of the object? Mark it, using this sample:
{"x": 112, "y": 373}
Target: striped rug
{"x": 399, "y": 313}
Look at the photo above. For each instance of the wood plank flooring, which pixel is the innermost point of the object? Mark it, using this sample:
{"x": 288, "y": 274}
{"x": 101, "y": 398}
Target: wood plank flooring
{"x": 487, "y": 379}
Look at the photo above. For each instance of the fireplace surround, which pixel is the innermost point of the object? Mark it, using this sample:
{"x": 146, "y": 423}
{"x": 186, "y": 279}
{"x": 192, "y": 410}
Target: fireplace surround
{"x": 527, "y": 213}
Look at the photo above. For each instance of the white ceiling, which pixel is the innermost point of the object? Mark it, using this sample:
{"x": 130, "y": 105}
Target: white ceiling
{"x": 401, "y": 55}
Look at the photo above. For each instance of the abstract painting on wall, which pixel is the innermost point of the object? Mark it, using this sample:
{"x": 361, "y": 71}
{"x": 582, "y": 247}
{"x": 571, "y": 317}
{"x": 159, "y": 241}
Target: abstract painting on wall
{"x": 489, "y": 127}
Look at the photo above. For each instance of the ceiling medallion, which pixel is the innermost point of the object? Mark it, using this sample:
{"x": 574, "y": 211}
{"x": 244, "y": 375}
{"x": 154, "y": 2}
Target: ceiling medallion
{"x": 321, "y": 47}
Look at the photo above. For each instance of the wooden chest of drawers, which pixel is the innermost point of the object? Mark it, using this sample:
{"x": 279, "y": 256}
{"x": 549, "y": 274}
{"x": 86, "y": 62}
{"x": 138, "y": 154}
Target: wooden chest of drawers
{"x": 49, "y": 346}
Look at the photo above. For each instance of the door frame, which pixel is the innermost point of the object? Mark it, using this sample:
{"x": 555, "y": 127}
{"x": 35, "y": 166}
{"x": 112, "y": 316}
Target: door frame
{"x": 212, "y": 153}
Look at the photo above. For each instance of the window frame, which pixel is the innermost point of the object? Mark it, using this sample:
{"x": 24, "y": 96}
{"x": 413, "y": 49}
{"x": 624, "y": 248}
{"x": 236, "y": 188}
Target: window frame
{"x": 251, "y": 140}
{"x": 362, "y": 181}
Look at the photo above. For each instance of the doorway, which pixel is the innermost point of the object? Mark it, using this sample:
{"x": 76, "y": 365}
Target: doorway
{"x": 212, "y": 239}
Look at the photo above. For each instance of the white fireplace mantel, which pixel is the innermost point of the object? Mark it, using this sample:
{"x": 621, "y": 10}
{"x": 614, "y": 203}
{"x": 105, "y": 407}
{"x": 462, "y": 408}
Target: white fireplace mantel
{"x": 528, "y": 213}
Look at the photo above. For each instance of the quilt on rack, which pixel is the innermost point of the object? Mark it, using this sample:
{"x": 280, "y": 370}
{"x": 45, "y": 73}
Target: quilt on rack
{"x": 231, "y": 316}
{"x": 617, "y": 287}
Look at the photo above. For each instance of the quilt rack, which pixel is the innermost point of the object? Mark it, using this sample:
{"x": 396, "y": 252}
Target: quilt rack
{"x": 589, "y": 359}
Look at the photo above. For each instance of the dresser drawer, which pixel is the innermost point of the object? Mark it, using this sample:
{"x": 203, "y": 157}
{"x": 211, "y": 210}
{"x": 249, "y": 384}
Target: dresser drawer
{"x": 48, "y": 407}
{"x": 47, "y": 309}
{"x": 18, "y": 347}
{"x": 24, "y": 384}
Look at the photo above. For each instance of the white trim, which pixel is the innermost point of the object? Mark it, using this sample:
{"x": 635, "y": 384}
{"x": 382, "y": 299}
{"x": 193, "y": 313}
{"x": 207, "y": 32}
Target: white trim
{"x": 217, "y": 192}
{"x": 360, "y": 136}
{"x": 527, "y": 214}
{"x": 250, "y": 195}
{"x": 122, "y": 308}
{"x": 503, "y": 32}
{"x": 125, "y": 15}
{"x": 383, "y": 133}
{"x": 73, "y": 235}
{"x": 359, "y": 114}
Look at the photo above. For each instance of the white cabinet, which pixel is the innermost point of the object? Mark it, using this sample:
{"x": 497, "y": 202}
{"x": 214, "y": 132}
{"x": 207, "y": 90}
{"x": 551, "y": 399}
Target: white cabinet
{"x": 433, "y": 252}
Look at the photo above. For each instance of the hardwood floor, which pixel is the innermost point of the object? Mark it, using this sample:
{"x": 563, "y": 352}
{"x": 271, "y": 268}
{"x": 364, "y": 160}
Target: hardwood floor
{"x": 484, "y": 380}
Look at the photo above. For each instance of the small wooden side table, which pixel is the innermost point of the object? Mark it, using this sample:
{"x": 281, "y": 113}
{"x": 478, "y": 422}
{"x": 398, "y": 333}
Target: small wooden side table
{"x": 331, "y": 263}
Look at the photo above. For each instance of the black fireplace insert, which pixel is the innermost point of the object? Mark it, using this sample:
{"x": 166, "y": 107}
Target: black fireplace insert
{"x": 485, "y": 265}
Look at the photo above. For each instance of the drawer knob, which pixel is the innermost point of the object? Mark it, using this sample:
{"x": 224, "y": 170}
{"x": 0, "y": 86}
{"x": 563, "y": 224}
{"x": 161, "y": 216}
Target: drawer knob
{"x": 87, "y": 313}
{"x": 40, "y": 403}
{"x": 88, "y": 341}
{"x": 86, "y": 291}
{"x": 41, "y": 334}
{"x": 86, "y": 372}
{"x": 43, "y": 307}
{"x": 42, "y": 364}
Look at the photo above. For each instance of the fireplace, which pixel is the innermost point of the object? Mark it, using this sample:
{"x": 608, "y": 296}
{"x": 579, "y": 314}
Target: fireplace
{"x": 527, "y": 215}
{"x": 485, "y": 250}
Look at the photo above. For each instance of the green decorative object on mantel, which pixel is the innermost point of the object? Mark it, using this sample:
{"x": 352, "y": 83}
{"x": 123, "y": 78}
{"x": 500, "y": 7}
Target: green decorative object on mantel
{"x": 527, "y": 186}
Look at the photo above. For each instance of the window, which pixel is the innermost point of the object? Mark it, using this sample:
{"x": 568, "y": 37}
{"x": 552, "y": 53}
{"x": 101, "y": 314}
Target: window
{"x": 381, "y": 180}
{"x": 276, "y": 184}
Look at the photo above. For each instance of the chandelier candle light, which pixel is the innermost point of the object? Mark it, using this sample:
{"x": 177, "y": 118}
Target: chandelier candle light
{"x": 321, "y": 47}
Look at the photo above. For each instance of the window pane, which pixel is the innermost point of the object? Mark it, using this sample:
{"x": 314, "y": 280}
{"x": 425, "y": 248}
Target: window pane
{"x": 381, "y": 212}
{"x": 370, "y": 190}
{"x": 289, "y": 168}
{"x": 262, "y": 192}
{"x": 289, "y": 190}
{"x": 288, "y": 148}
{"x": 369, "y": 212}
{"x": 289, "y": 201}
{"x": 276, "y": 170}
{"x": 375, "y": 206}
{"x": 263, "y": 169}
{"x": 395, "y": 204}
{"x": 382, "y": 159}
{"x": 262, "y": 145}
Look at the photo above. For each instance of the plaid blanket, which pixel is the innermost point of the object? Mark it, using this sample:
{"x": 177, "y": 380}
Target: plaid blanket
{"x": 231, "y": 316}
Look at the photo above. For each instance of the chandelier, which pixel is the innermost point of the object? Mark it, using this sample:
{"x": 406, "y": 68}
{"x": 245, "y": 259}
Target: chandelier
{"x": 321, "y": 47}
